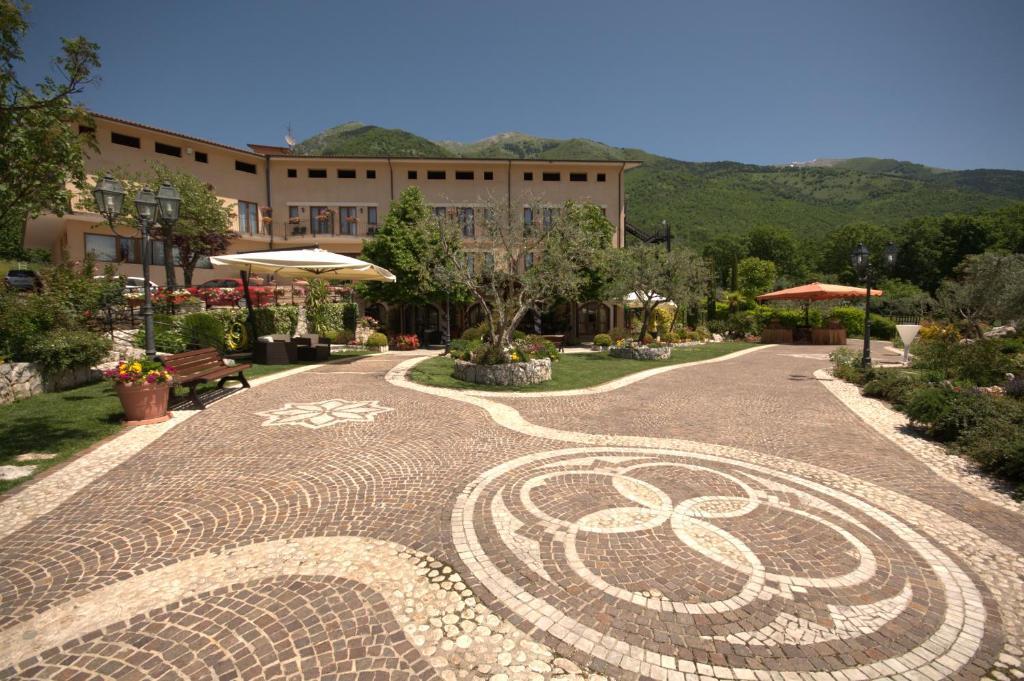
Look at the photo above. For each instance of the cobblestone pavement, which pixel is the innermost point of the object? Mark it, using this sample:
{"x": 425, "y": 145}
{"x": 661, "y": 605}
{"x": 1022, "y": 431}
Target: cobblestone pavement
{"x": 724, "y": 520}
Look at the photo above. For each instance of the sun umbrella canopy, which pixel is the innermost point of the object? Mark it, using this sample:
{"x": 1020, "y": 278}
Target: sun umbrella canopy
{"x": 305, "y": 263}
{"x": 816, "y": 291}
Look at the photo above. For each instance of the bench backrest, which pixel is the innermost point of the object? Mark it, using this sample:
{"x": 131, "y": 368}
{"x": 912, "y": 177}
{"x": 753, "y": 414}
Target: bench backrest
{"x": 193, "y": 363}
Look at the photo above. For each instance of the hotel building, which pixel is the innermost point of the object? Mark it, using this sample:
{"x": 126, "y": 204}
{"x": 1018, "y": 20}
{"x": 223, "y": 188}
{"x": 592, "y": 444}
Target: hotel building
{"x": 281, "y": 200}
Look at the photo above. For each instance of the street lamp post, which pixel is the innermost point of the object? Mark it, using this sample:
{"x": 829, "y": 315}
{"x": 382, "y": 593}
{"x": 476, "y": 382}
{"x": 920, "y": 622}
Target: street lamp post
{"x": 150, "y": 208}
{"x": 861, "y": 260}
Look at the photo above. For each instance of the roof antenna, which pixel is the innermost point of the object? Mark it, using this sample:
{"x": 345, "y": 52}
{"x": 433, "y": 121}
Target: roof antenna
{"x": 288, "y": 138}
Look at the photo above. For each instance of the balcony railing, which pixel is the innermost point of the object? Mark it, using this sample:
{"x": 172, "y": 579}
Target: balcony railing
{"x": 354, "y": 229}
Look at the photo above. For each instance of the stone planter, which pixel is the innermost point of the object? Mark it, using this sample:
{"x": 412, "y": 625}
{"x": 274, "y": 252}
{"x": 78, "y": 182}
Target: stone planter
{"x": 144, "y": 403}
{"x": 377, "y": 348}
{"x": 642, "y": 352}
{"x": 513, "y": 373}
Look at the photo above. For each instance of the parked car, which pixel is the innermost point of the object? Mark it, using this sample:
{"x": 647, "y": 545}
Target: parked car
{"x": 133, "y": 284}
{"x": 214, "y": 292}
{"x": 23, "y": 280}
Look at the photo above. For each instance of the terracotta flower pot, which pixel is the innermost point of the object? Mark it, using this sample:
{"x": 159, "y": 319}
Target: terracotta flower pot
{"x": 145, "y": 402}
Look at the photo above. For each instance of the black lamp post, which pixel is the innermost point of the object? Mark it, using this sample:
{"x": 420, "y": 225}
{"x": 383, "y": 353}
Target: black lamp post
{"x": 149, "y": 208}
{"x": 861, "y": 260}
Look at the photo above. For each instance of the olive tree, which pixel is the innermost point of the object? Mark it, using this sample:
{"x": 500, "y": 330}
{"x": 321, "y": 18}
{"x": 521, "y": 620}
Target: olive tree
{"x": 990, "y": 288}
{"x": 514, "y": 259}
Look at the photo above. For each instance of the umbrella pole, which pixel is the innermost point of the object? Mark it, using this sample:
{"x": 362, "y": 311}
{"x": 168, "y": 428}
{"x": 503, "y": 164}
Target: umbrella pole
{"x": 248, "y": 304}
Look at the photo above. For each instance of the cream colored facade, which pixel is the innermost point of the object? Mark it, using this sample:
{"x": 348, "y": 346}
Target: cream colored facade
{"x": 359, "y": 192}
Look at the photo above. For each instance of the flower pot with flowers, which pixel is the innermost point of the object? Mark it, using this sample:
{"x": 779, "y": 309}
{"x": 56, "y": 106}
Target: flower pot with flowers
{"x": 143, "y": 387}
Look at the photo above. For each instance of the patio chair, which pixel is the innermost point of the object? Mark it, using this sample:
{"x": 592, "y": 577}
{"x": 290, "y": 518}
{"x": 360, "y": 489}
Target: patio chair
{"x": 279, "y": 350}
{"x": 310, "y": 349}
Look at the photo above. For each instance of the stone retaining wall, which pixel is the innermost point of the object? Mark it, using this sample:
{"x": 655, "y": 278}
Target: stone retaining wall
{"x": 514, "y": 373}
{"x": 642, "y": 352}
{"x": 19, "y": 380}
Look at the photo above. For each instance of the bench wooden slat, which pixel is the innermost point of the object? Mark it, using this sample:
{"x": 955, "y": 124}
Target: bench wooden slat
{"x": 202, "y": 366}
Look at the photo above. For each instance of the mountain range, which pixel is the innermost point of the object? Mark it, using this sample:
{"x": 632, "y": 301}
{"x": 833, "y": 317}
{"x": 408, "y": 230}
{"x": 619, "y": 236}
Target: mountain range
{"x": 702, "y": 199}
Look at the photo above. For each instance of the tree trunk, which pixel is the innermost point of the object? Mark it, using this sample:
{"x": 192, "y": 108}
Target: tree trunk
{"x": 187, "y": 270}
{"x": 643, "y": 324}
{"x": 169, "y": 262}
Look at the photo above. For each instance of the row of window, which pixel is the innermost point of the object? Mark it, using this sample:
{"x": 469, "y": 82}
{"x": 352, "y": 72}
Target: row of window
{"x": 343, "y": 173}
{"x": 488, "y": 262}
{"x": 129, "y": 250}
{"x": 322, "y": 220}
{"x": 165, "y": 149}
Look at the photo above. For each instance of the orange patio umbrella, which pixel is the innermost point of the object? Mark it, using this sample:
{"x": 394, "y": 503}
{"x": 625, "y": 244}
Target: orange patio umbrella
{"x": 816, "y": 291}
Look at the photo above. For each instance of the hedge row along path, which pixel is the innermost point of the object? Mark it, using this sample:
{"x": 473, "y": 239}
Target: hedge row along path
{"x": 729, "y": 519}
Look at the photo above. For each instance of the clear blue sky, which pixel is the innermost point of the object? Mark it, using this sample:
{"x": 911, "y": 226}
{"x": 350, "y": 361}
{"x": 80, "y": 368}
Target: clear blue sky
{"x": 937, "y": 82}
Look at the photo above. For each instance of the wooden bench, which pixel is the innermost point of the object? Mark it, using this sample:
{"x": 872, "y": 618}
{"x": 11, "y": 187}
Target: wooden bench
{"x": 557, "y": 339}
{"x": 202, "y": 366}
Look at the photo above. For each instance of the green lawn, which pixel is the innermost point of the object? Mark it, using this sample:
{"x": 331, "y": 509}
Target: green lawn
{"x": 572, "y": 370}
{"x": 65, "y": 423}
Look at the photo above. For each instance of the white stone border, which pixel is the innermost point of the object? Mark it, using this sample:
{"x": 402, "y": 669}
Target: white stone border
{"x": 891, "y": 424}
{"x": 999, "y": 567}
{"x": 609, "y": 385}
{"x": 435, "y": 609}
{"x": 37, "y": 497}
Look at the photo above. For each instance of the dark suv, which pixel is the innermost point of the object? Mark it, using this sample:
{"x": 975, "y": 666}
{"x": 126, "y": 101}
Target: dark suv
{"x": 23, "y": 280}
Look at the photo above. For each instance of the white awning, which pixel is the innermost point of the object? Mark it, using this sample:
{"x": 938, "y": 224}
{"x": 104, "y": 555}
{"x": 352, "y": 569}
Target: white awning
{"x": 306, "y": 262}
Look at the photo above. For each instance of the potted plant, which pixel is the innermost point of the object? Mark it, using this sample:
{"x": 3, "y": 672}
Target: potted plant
{"x": 143, "y": 387}
{"x": 377, "y": 342}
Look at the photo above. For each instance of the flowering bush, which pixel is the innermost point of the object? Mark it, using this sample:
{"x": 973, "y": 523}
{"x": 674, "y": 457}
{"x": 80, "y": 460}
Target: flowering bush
{"x": 407, "y": 342}
{"x": 177, "y": 296}
{"x": 602, "y": 340}
{"x": 139, "y": 373}
{"x": 521, "y": 350}
{"x": 227, "y": 297}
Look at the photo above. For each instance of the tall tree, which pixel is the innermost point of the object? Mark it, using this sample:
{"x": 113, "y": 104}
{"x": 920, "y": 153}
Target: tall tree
{"x": 725, "y": 252}
{"x": 41, "y": 149}
{"x": 645, "y": 272}
{"x": 687, "y": 283}
{"x": 405, "y": 244}
{"x": 989, "y": 288}
{"x": 516, "y": 262}
{"x": 779, "y": 246}
{"x": 840, "y": 243}
{"x": 204, "y": 223}
{"x": 756, "y": 276}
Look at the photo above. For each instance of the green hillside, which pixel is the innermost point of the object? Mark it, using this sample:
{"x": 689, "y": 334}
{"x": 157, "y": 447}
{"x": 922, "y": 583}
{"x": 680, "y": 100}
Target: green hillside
{"x": 700, "y": 200}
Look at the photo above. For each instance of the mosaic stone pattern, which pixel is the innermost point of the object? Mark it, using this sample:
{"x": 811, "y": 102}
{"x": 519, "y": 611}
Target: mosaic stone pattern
{"x": 730, "y": 519}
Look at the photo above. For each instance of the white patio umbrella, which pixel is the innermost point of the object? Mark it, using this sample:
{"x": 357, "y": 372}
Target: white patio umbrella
{"x": 307, "y": 262}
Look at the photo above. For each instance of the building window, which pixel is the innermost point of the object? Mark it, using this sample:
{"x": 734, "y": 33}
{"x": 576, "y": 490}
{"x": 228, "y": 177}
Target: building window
{"x": 488, "y": 175}
{"x": 412, "y": 174}
{"x": 528, "y": 261}
{"x": 371, "y": 174}
{"x": 528, "y": 177}
{"x": 248, "y": 218}
{"x": 577, "y": 177}
{"x": 436, "y": 175}
{"x": 346, "y": 174}
{"x": 125, "y": 140}
{"x": 349, "y": 222}
{"x": 440, "y": 212}
{"x": 488, "y": 216}
{"x": 204, "y": 263}
{"x": 292, "y": 172}
{"x": 168, "y": 149}
{"x": 469, "y": 264}
{"x": 527, "y": 216}
{"x": 318, "y": 173}
{"x": 600, "y": 177}
{"x": 157, "y": 253}
{"x": 551, "y": 177}
{"x": 201, "y": 157}
{"x": 466, "y": 222}
{"x": 245, "y": 167}
{"x": 102, "y": 248}
{"x": 550, "y": 215}
{"x": 371, "y": 215}
{"x": 321, "y": 220}
{"x": 463, "y": 175}
{"x": 488, "y": 262}
{"x": 86, "y": 130}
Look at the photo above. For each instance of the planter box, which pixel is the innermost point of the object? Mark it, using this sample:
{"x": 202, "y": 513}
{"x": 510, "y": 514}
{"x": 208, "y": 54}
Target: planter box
{"x": 642, "y": 352}
{"x": 513, "y": 373}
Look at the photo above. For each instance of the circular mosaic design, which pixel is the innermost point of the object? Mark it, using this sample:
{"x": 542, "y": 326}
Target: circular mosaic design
{"x": 661, "y": 561}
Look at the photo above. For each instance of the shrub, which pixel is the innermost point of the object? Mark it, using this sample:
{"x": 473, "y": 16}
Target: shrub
{"x": 946, "y": 412}
{"x": 535, "y": 347}
{"x": 1015, "y": 387}
{"x": 349, "y": 316}
{"x": 463, "y": 349}
{"x": 487, "y": 354}
{"x": 852, "y": 319}
{"x": 894, "y": 385}
{"x": 377, "y": 340}
{"x": 671, "y": 337}
{"x": 619, "y": 333}
{"x": 475, "y": 332}
{"x": 203, "y": 330}
{"x": 701, "y": 333}
{"x": 407, "y": 342}
{"x": 67, "y": 348}
{"x": 846, "y": 365}
{"x": 602, "y": 340}
{"x": 980, "y": 362}
{"x": 998, "y": 445}
{"x": 882, "y": 328}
